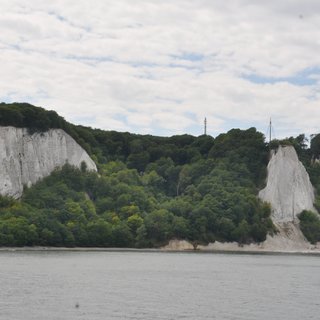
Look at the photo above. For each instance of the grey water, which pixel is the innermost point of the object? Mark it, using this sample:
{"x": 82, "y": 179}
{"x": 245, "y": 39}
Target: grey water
{"x": 157, "y": 285}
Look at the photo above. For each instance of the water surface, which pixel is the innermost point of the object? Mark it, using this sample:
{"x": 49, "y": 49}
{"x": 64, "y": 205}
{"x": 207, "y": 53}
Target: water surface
{"x": 157, "y": 285}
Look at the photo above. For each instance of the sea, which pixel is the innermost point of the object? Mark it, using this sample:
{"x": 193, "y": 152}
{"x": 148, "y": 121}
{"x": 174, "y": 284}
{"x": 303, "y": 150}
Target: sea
{"x": 92, "y": 285}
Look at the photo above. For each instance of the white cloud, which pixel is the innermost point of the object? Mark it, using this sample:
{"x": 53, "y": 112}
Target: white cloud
{"x": 163, "y": 66}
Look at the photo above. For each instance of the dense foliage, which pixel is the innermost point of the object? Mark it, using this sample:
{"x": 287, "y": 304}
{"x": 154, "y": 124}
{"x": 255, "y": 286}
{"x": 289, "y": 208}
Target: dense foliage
{"x": 148, "y": 189}
{"x": 310, "y": 225}
{"x": 124, "y": 208}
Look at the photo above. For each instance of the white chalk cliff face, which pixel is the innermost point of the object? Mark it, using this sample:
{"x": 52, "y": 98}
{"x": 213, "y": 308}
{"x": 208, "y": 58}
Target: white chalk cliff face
{"x": 25, "y": 158}
{"x": 288, "y": 190}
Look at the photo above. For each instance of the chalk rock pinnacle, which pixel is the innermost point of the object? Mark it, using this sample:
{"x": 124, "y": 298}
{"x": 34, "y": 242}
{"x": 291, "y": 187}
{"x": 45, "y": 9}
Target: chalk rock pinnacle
{"x": 25, "y": 158}
{"x": 288, "y": 189}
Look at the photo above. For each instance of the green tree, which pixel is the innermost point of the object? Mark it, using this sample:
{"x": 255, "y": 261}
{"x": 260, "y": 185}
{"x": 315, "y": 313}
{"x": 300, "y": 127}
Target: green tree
{"x": 99, "y": 233}
{"x": 310, "y": 225}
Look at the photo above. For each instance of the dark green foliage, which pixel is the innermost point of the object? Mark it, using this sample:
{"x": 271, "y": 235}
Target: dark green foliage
{"x": 310, "y": 225}
{"x": 300, "y": 145}
{"x": 25, "y": 115}
{"x": 135, "y": 150}
{"x": 315, "y": 146}
{"x": 274, "y": 144}
{"x": 148, "y": 190}
{"x": 243, "y": 146}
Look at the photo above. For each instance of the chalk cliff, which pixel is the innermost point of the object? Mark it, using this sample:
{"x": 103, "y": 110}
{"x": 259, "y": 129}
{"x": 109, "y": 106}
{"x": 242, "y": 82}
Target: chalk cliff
{"x": 25, "y": 158}
{"x": 288, "y": 189}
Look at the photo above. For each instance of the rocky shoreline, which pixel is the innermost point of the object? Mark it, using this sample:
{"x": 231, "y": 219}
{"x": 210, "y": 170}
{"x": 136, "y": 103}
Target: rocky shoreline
{"x": 179, "y": 246}
{"x": 182, "y": 245}
{"x": 288, "y": 240}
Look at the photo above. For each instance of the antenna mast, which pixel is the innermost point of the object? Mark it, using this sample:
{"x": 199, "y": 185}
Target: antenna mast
{"x": 205, "y": 126}
{"x": 270, "y": 129}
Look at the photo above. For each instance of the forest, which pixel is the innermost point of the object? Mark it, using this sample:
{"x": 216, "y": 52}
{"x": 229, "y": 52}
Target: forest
{"x": 148, "y": 189}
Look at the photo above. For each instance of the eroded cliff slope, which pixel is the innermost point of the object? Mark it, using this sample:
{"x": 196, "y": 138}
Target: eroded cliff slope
{"x": 25, "y": 158}
{"x": 288, "y": 189}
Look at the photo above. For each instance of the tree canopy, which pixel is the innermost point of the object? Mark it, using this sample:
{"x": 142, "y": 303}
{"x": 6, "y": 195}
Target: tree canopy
{"x": 148, "y": 189}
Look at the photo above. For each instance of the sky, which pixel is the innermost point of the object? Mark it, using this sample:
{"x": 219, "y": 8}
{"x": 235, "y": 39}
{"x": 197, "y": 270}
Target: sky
{"x": 160, "y": 67}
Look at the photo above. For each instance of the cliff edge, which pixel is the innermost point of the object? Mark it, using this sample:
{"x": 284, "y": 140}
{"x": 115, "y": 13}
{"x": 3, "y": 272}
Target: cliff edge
{"x": 25, "y": 158}
{"x": 288, "y": 189}
{"x": 289, "y": 192}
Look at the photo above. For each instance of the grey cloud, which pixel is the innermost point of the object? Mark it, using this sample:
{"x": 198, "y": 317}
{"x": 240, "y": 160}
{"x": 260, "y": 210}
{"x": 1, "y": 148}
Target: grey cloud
{"x": 155, "y": 62}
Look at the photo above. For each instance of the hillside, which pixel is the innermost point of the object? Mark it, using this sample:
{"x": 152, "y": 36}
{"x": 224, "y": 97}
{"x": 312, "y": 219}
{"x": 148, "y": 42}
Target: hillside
{"x": 147, "y": 191}
{"x": 288, "y": 189}
{"x": 27, "y": 158}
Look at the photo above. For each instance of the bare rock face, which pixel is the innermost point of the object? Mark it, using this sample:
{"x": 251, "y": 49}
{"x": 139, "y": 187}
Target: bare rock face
{"x": 288, "y": 190}
{"x": 25, "y": 158}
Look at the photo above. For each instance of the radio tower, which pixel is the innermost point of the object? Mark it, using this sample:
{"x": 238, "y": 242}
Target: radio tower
{"x": 270, "y": 130}
{"x": 205, "y": 126}
{"x": 270, "y": 133}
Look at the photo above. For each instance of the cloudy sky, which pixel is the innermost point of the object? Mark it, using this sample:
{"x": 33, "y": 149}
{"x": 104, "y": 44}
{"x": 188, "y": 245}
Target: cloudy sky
{"x": 160, "y": 67}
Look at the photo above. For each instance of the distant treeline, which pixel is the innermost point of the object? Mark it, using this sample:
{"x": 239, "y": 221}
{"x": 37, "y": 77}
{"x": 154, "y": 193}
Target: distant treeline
{"x": 148, "y": 190}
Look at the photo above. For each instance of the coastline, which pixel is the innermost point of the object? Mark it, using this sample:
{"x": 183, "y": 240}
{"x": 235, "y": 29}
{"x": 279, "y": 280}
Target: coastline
{"x": 288, "y": 240}
{"x": 227, "y": 248}
{"x": 272, "y": 245}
